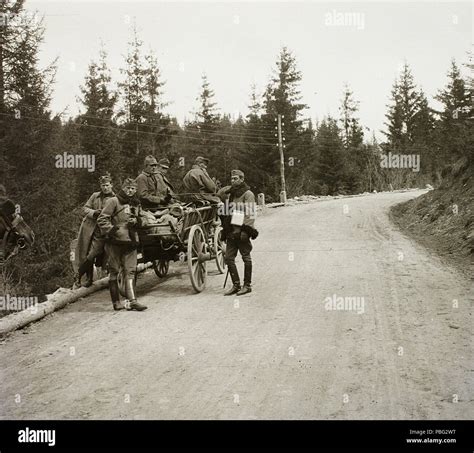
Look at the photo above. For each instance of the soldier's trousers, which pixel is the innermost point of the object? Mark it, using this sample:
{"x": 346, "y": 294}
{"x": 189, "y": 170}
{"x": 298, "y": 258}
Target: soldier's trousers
{"x": 121, "y": 256}
{"x": 244, "y": 247}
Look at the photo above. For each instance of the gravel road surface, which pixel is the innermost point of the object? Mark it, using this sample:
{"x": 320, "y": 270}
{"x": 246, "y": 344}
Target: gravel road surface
{"x": 349, "y": 319}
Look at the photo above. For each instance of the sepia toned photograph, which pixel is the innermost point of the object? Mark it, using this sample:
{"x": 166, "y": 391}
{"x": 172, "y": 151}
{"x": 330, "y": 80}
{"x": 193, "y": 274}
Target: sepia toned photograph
{"x": 249, "y": 210}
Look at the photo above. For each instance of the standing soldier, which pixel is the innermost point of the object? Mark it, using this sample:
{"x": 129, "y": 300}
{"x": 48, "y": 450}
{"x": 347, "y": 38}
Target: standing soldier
{"x": 118, "y": 220}
{"x": 90, "y": 241}
{"x": 198, "y": 182}
{"x": 238, "y": 228}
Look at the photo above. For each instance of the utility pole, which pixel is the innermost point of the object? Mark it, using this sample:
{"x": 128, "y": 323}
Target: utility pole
{"x": 282, "y": 162}
{"x": 136, "y": 139}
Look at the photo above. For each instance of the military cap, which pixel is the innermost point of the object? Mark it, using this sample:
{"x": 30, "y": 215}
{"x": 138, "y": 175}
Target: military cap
{"x": 237, "y": 173}
{"x": 104, "y": 179}
{"x": 150, "y": 160}
{"x": 129, "y": 182}
{"x": 201, "y": 160}
{"x": 164, "y": 162}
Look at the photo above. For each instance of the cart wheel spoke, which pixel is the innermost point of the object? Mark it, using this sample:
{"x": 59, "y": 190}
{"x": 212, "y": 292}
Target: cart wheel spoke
{"x": 219, "y": 250}
{"x": 196, "y": 247}
{"x": 160, "y": 267}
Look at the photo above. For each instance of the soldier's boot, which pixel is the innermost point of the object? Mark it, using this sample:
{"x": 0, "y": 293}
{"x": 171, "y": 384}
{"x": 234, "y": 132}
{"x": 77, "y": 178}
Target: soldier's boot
{"x": 247, "y": 288}
{"x": 77, "y": 281}
{"x": 89, "y": 275}
{"x": 132, "y": 303}
{"x": 234, "y": 275}
{"x": 115, "y": 295}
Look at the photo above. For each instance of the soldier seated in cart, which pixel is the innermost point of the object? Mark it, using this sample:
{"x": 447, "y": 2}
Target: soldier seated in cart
{"x": 199, "y": 184}
{"x": 154, "y": 190}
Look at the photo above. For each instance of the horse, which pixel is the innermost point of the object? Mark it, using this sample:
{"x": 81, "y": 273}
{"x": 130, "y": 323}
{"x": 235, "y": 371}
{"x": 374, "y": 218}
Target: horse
{"x": 15, "y": 235}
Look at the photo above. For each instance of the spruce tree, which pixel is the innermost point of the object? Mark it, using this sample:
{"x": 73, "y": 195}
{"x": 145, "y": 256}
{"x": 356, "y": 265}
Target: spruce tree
{"x": 282, "y": 96}
{"x": 331, "y": 158}
{"x": 402, "y": 112}
{"x": 31, "y": 140}
{"x": 352, "y": 133}
{"x": 455, "y": 124}
{"x": 98, "y": 130}
{"x": 145, "y": 129}
{"x": 202, "y": 132}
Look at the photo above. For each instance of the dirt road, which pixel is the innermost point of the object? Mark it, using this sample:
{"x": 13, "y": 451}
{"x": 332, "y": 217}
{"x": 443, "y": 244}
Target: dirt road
{"x": 404, "y": 352}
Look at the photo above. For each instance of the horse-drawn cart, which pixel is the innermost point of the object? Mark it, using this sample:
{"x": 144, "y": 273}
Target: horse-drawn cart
{"x": 195, "y": 239}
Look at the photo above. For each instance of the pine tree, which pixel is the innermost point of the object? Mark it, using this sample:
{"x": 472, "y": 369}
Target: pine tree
{"x": 145, "y": 128}
{"x": 202, "y": 132}
{"x": 31, "y": 139}
{"x": 402, "y": 112}
{"x": 255, "y": 107}
{"x": 207, "y": 115}
{"x": 352, "y": 134}
{"x": 25, "y": 91}
{"x": 454, "y": 97}
{"x": 423, "y": 135}
{"x": 98, "y": 130}
{"x": 331, "y": 157}
{"x": 157, "y": 122}
{"x": 454, "y": 127}
{"x": 250, "y": 159}
{"x": 8, "y": 46}
{"x": 282, "y": 96}
{"x": 395, "y": 121}
{"x": 132, "y": 111}
{"x": 470, "y": 86}
{"x": 410, "y": 123}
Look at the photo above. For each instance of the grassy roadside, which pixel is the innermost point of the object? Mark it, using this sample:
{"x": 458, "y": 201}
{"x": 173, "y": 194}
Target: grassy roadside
{"x": 442, "y": 220}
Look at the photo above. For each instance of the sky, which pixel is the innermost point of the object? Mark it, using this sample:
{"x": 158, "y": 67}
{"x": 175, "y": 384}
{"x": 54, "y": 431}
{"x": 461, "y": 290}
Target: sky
{"x": 237, "y": 44}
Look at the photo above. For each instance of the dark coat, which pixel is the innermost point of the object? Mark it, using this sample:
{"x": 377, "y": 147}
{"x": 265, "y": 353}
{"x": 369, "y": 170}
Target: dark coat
{"x": 152, "y": 189}
{"x": 113, "y": 221}
{"x": 88, "y": 226}
{"x": 164, "y": 185}
{"x": 242, "y": 200}
{"x": 238, "y": 199}
{"x": 197, "y": 180}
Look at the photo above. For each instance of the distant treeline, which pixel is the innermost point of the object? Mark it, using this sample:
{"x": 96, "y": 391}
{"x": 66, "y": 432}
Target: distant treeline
{"x": 123, "y": 121}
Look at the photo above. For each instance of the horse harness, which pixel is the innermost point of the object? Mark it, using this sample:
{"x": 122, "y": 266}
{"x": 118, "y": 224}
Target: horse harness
{"x": 10, "y": 231}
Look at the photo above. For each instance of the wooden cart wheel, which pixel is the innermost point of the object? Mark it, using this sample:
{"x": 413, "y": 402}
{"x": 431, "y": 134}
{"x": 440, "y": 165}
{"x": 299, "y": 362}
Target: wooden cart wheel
{"x": 219, "y": 250}
{"x": 197, "y": 257}
{"x": 161, "y": 267}
{"x": 121, "y": 283}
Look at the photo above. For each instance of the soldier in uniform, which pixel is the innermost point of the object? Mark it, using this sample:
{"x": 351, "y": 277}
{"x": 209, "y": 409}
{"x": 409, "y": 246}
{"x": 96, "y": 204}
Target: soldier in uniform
{"x": 118, "y": 220}
{"x": 198, "y": 182}
{"x": 165, "y": 188}
{"x": 238, "y": 220}
{"x": 153, "y": 188}
{"x": 91, "y": 242}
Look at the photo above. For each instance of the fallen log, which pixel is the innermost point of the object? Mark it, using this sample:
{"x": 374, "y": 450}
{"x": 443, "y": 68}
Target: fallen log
{"x": 36, "y": 312}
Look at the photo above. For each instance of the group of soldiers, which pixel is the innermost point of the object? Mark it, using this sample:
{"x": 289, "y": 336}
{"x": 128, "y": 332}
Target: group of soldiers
{"x": 109, "y": 225}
